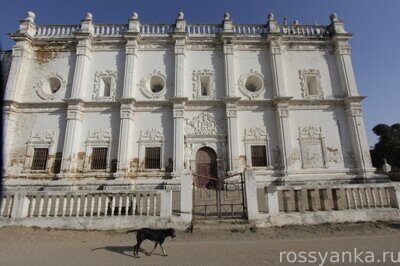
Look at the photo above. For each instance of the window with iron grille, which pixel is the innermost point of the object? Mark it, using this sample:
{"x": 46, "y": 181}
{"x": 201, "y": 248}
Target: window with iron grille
{"x": 99, "y": 159}
{"x": 39, "y": 158}
{"x": 152, "y": 158}
{"x": 258, "y": 156}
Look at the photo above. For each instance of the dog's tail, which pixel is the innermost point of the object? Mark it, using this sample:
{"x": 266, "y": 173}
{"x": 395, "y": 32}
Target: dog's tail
{"x": 131, "y": 231}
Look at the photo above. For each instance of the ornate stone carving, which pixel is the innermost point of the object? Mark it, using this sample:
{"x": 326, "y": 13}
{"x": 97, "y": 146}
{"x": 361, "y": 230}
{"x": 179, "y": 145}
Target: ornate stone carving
{"x": 333, "y": 155}
{"x": 144, "y": 85}
{"x": 231, "y": 113}
{"x": 242, "y": 84}
{"x": 256, "y": 132}
{"x": 305, "y": 90}
{"x": 111, "y": 76}
{"x": 197, "y": 90}
{"x": 151, "y": 134}
{"x": 178, "y": 113}
{"x": 203, "y": 124}
{"x": 46, "y": 93}
{"x": 100, "y": 135}
{"x": 312, "y": 146}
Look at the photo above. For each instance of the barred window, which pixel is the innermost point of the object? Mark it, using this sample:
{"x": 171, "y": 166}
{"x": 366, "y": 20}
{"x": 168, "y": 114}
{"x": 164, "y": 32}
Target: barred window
{"x": 99, "y": 159}
{"x": 152, "y": 158}
{"x": 258, "y": 155}
{"x": 39, "y": 158}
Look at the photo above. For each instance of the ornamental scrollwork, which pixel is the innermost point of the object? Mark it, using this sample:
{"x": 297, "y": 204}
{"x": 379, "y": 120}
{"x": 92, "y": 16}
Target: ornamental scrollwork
{"x": 259, "y": 86}
{"x": 203, "y": 124}
{"x": 43, "y": 87}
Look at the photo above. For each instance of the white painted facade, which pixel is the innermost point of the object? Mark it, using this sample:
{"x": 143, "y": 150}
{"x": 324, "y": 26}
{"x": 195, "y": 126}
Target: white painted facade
{"x": 305, "y": 107}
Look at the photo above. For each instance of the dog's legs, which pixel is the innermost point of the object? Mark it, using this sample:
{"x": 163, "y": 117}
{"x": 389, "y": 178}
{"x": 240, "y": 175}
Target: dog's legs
{"x": 155, "y": 246}
{"x": 163, "y": 251}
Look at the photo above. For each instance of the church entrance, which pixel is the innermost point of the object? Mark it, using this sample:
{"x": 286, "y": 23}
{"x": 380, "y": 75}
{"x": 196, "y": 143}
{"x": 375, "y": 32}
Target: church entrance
{"x": 206, "y": 168}
{"x": 216, "y": 196}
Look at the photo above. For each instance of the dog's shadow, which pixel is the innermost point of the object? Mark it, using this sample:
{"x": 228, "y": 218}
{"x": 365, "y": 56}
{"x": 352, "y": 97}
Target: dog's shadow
{"x": 124, "y": 250}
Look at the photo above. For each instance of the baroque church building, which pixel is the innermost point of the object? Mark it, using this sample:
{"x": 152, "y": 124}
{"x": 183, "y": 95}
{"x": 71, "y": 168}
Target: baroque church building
{"x": 146, "y": 102}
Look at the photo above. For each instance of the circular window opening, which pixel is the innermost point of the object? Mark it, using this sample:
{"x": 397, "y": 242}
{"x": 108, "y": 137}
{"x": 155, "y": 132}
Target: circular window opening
{"x": 253, "y": 83}
{"x": 157, "y": 84}
{"x": 51, "y": 85}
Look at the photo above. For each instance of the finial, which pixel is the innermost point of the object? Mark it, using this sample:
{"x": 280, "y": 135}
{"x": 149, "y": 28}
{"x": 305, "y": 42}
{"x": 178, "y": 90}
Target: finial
{"x": 271, "y": 16}
{"x": 89, "y": 16}
{"x": 135, "y": 16}
{"x": 285, "y": 21}
{"x": 227, "y": 16}
{"x": 30, "y": 16}
{"x": 296, "y": 22}
{"x": 181, "y": 16}
{"x": 333, "y": 17}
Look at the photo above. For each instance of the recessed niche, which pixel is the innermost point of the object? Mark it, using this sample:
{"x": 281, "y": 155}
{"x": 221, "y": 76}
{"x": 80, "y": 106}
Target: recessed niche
{"x": 312, "y": 86}
{"x": 205, "y": 86}
{"x": 105, "y": 86}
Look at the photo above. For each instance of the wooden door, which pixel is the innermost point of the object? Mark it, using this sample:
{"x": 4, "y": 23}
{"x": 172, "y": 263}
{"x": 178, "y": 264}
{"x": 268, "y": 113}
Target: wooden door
{"x": 206, "y": 168}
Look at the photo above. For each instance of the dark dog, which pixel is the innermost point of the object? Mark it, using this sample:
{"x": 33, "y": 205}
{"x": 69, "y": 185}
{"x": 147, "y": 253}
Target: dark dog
{"x": 156, "y": 235}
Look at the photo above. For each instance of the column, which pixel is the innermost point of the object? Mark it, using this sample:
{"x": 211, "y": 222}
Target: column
{"x": 125, "y": 143}
{"x": 280, "y": 99}
{"x": 75, "y": 103}
{"x": 230, "y": 100}
{"x": 353, "y": 107}
{"x": 178, "y": 102}
{"x": 179, "y": 138}
{"x": 227, "y": 39}
{"x": 179, "y": 36}
{"x": 232, "y": 131}
{"x": 20, "y": 66}
{"x": 359, "y": 137}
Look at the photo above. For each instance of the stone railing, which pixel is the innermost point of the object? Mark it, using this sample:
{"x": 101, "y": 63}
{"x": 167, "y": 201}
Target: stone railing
{"x": 250, "y": 29}
{"x": 192, "y": 29}
{"x": 304, "y": 30}
{"x": 156, "y": 29}
{"x": 109, "y": 29}
{"x": 56, "y": 30}
{"x": 286, "y": 199}
{"x": 52, "y": 204}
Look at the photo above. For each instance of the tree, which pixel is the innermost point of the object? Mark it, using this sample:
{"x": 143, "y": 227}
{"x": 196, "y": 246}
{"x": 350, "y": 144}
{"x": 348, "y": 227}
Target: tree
{"x": 388, "y": 146}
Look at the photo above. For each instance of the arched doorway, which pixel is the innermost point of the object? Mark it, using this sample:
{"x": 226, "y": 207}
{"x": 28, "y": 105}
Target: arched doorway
{"x": 206, "y": 168}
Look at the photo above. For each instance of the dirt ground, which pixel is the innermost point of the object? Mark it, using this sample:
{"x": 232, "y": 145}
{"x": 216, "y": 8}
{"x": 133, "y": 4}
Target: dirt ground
{"x": 33, "y": 246}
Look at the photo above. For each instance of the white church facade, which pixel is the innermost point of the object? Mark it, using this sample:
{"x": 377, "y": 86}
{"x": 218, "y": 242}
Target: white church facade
{"x": 146, "y": 101}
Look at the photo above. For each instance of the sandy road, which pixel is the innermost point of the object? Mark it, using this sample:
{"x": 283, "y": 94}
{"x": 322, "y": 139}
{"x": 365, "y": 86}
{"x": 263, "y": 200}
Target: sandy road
{"x": 28, "y": 246}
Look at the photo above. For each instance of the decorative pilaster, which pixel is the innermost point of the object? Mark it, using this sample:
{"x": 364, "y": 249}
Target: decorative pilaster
{"x": 283, "y": 125}
{"x": 227, "y": 39}
{"x": 232, "y": 131}
{"x": 72, "y": 137}
{"x": 179, "y": 36}
{"x": 75, "y": 104}
{"x": 281, "y": 100}
{"x": 125, "y": 143}
{"x": 358, "y": 135}
{"x": 22, "y": 53}
{"x": 125, "y": 137}
{"x": 179, "y": 123}
{"x": 342, "y": 52}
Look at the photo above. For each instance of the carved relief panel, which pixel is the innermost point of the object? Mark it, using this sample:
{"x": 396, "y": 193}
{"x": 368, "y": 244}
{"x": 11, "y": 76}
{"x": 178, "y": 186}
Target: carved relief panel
{"x": 312, "y": 147}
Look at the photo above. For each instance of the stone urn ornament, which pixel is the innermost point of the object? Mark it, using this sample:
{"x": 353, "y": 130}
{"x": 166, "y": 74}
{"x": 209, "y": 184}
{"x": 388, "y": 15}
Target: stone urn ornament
{"x": 386, "y": 167}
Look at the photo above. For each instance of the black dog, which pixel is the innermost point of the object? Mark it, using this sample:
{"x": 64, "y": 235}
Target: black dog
{"x": 156, "y": 235}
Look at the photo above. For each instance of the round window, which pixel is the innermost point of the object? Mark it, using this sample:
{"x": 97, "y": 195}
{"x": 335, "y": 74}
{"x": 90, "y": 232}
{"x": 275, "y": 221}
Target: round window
{"x": 253, "y": 83}
{"x": 157, "y": 84}
{"x": 51, "y": 85}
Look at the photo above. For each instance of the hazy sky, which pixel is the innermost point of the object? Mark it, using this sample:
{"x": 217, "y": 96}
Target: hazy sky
{"x": 375, "y": 24}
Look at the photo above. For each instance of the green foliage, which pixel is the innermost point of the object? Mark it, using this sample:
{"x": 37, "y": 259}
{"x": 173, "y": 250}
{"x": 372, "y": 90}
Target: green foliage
{"x": 388, "y": 146}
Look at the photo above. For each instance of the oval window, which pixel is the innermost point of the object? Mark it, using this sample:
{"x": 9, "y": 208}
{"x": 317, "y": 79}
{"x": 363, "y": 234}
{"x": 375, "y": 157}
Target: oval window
{"x": 157, "y": 84}
{"x": 253, "y": 83}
